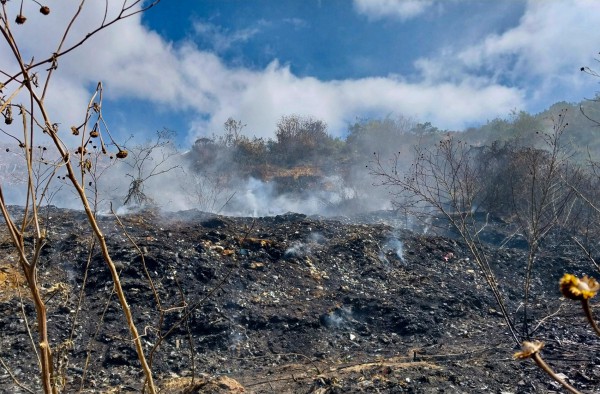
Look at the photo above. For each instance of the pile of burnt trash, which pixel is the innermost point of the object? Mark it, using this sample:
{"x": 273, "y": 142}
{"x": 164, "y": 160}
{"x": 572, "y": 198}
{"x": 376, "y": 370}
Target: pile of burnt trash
{"x": 288, "y": 304}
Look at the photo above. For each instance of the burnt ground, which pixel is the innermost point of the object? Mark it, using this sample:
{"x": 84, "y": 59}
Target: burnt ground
{"x": 290, "y": 304}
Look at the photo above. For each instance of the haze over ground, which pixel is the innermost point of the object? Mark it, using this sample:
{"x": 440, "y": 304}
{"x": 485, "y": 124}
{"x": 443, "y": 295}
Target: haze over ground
{"x": 189, "y": 66}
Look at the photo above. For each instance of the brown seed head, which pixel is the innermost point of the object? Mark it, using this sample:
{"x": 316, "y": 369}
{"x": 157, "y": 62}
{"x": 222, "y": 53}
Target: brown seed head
{"x": 94, "y": 133}
{"x": 45, "y": 10}
{"x": 74, "y": 130}
{"x": 121, "y": 154}
{"x": 20, "y": 19}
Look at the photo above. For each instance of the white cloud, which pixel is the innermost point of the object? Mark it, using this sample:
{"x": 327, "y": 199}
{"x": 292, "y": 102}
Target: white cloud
{"x": 298, "y": 23}
{"x": 134, "y": 62}
{"x": 220, "y": 38}
{"x": 113, "y": 52}
{"x": 263, "y": 97}
{"x": 548, "y": 46}
{"x": 451, "y": 92}
{"x": 401, "y": 9}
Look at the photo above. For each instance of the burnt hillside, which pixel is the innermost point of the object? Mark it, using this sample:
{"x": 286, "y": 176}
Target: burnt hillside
{"x": 291, "y": 304}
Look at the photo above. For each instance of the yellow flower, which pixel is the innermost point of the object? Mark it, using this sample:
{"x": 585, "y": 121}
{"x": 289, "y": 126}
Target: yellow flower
{"x": 528, "y": 349}
{"x": 578, "y": 289}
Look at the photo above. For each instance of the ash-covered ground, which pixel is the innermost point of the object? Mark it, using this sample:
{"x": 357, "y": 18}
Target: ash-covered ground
{"x": 289, "y": 304}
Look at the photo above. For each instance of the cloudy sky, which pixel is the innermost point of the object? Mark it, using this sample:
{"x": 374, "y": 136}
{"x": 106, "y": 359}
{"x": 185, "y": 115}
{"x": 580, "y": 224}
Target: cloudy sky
{"x": 188, "y": 65}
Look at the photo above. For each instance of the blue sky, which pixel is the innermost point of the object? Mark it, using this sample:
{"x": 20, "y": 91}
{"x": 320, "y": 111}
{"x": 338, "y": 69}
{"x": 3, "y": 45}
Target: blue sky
{"x": 329, "y": 39}
{"x": 188, "y": 65}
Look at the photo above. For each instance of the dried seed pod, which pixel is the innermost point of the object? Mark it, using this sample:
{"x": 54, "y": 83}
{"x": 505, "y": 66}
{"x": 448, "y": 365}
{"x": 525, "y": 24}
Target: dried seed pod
{"x": 94, "y": 133}
{"x": 86, "y": 165}
{"x": 8, "y": 120}
{"x": 20, "y": 19}
{"x": 74, "y": 130}
{"x": 45, "y": 10}
{"x": 81, "y": 150}
{"x": 122, "y": 154}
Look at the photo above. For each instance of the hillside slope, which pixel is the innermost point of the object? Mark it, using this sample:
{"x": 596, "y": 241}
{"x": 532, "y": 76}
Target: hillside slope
{"x": 294, "y": 304}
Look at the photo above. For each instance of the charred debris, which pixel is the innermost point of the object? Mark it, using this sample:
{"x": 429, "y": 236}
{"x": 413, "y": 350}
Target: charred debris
{"x": 289, "y": 303}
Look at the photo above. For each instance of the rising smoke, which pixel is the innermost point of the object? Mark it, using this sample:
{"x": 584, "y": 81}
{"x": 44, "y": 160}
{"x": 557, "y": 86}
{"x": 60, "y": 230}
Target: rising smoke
{"x": 302, "y": 170}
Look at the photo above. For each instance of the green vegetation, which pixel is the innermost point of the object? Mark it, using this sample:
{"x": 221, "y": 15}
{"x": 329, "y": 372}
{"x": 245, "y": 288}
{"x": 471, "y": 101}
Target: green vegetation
{"x": 303, "y": 154}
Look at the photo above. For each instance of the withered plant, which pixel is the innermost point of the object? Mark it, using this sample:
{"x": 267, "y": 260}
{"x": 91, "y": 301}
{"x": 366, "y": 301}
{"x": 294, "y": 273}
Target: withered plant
{"x": 546, "y": 197}
{"x": 541, "y": 201}
{"x": 443, "y": 181}
{"x": 584, "y": 189}
{"x": 146, "y": 161}
{"x": 24, "y": 86}
{"x": 207, "y": 191}
{"x": 450, "y": 181}
{"x": 573, "y": 288}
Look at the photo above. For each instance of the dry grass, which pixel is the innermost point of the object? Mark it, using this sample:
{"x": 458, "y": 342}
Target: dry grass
{"x": 202, "y": 384}
{"x": 11, "y": 280}
{"x": 270, "y": 172}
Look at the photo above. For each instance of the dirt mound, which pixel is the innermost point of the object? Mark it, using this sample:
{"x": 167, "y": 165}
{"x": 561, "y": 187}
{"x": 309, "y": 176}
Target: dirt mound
{"x": 293, "y": 304}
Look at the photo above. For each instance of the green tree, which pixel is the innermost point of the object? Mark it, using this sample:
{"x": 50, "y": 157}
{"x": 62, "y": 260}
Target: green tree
{"x": 301, "y": 140}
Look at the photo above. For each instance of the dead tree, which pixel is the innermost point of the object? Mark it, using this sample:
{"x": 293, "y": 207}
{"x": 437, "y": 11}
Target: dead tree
{"x": 24, "y": 85}
{"x": 448, "y": 180}
{"x": 541, "y": 200}
{"x": 443, "y": 180}
{"x": 152, "y": 159}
